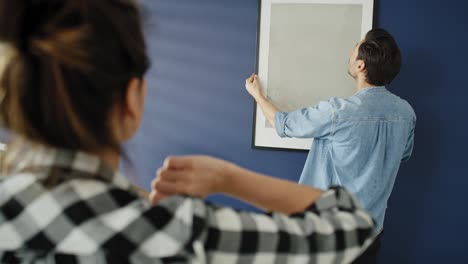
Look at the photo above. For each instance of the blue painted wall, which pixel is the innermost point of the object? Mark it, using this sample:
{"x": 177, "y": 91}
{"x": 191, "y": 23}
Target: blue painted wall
{"x": 427, "y": 217}
{"x": 203, "y": 50}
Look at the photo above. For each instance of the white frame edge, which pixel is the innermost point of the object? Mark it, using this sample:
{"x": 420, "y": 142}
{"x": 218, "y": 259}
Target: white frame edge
{"x": 267, "y": 137}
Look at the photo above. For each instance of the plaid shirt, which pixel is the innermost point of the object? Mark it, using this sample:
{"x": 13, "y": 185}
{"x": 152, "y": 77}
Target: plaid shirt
{"x": 64, "y": 207}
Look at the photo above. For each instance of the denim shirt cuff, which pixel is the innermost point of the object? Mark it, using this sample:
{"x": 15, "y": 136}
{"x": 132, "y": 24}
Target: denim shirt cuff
{"x": 280, "y": 119}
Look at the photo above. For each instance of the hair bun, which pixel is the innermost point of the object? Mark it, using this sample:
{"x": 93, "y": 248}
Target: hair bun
{"x": 20, "y": 20}
{"x": 12, "y": 20}
{"x": 45, "y": 27}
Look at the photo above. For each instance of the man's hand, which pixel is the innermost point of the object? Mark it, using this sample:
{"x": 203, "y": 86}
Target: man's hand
{"x": 253, "y": 86}
{"x": 197, "y": 176}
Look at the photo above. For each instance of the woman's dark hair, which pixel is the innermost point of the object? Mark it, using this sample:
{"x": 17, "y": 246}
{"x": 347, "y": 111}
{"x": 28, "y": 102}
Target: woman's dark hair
{"x": 382, "y": 57}
{"x": 72, "y": 62}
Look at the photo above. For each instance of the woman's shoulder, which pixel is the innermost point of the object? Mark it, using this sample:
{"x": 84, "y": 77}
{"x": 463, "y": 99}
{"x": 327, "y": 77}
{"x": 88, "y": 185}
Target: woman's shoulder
{"x": 83, "y": 217}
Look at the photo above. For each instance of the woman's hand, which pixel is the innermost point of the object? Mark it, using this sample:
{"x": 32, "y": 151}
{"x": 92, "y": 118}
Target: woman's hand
{"x": 197, "y": 176}
{"x": 201, "y": 176}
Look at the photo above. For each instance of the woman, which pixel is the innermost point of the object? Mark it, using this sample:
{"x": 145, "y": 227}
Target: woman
{"x": 73, "y": 90}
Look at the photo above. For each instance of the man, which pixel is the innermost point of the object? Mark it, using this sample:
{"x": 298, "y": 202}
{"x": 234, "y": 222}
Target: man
{"x": 359, "y": 141}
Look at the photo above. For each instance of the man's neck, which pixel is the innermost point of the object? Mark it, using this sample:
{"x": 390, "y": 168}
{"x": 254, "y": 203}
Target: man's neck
{"x": 362, "y": 84}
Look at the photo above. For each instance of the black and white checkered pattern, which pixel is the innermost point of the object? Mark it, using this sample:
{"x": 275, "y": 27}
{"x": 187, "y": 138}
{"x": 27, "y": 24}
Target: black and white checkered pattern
{"x": 64, "y": 207}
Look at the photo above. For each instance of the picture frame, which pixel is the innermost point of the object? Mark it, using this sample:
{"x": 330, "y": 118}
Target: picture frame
{"x": 303, "y": 48}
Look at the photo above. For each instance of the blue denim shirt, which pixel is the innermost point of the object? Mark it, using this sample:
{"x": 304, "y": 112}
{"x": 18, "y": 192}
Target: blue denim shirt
{"x": 359, "y": 143}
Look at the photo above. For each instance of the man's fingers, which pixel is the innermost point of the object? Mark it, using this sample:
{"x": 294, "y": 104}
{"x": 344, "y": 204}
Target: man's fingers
{"x": 250, "y": 79}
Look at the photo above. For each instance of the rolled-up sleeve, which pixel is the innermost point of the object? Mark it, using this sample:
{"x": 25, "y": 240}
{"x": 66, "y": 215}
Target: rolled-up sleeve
{"x": 310, "y": 122}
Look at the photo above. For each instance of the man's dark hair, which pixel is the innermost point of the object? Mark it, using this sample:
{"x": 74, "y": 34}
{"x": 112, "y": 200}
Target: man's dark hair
{"x": 382, "y": 57}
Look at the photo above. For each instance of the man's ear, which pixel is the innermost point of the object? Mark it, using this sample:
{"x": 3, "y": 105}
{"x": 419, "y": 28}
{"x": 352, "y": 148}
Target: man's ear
{"x": 361, "y": 65}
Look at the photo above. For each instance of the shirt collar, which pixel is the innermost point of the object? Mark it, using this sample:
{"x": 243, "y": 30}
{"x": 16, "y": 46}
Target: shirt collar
{"x": 371, "y": 89}
{"x": 80, "y": 164}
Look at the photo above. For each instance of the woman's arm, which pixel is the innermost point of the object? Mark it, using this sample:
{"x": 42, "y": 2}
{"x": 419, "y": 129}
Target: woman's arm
{"x": 268, "y": 193}
{"x": 202, "y": 175}
{"x": 327, "y": 227}
{"x": 332, "y": 230}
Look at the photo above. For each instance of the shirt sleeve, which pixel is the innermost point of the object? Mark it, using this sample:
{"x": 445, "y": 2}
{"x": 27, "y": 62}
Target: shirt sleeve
{"x": 310, "y": 122}
{"x": 334, "y": 229}
{"x": 409, "y": 144}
